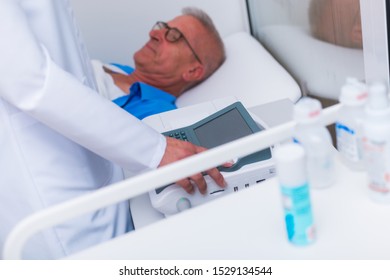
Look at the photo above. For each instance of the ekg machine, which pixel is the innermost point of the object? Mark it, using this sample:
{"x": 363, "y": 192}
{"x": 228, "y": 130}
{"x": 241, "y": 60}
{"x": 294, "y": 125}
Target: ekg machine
{"x": 228, "y": 124}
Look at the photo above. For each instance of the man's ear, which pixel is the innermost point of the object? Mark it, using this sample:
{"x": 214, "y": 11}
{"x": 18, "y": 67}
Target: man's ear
{"x": 195, "y": 73}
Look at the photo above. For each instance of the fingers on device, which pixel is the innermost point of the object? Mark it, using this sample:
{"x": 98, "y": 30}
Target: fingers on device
{"x": 226, "y": 125}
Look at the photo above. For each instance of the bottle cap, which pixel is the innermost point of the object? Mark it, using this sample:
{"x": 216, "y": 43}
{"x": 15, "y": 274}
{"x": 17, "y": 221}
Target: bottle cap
{"x": 353, "y": 93}
{"x": 378, "y": 99}
{"x": 378, "y": 102}
{"x": 290, "y": 164}
{"x": 352, "y": 80}
{"x": 307, "y": 110}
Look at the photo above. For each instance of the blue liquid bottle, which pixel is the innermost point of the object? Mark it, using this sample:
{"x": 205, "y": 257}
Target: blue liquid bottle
{"x": 294, "y": 187}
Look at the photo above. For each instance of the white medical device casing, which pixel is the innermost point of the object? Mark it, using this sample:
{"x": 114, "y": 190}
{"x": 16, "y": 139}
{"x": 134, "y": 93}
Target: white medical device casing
{"x": 245, "y": 172}
{"x": 173, "y": 199}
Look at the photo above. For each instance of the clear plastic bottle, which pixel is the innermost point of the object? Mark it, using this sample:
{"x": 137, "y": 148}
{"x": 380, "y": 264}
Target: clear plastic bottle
{"x": 353, "y": 97}
{"x": 294, "y": 187}
{"x": 376, "y": 142}
{"x": 316, "y": 141}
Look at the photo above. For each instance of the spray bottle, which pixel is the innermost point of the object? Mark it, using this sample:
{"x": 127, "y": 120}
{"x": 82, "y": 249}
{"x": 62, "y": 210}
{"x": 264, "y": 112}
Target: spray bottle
{"x": 353, "y": 97}
{"x": 316, "y": 141}
{"x": 376, "y": 142}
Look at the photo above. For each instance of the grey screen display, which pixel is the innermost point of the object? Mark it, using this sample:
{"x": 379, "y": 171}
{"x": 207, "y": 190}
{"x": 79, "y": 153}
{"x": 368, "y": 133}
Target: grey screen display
{"x": 223, "y": 129}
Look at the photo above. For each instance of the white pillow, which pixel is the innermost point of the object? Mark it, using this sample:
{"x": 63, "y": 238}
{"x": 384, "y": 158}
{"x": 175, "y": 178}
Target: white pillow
{"x": 249, "y": 73}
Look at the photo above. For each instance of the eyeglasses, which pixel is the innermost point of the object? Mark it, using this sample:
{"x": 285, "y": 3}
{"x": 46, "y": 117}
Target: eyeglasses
{"x": 173, "y": 35}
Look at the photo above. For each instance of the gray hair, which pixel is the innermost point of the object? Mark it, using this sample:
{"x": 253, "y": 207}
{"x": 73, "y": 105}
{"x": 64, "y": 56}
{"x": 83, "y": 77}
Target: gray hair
{"x": 215, "y": 55}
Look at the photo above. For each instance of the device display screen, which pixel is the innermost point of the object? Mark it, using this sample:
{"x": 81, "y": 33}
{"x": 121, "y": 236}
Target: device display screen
{"x": 223, "y": 129}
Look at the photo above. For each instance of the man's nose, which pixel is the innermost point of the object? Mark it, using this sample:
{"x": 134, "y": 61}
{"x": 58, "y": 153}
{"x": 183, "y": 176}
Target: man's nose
{"x": 157, "y": 34}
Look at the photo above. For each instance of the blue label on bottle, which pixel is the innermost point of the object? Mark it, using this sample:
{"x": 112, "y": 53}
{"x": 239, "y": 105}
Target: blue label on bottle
{"x": 340, "y": 126}
{"x": 295, "y": 140}
{"x": 298, "y": 214}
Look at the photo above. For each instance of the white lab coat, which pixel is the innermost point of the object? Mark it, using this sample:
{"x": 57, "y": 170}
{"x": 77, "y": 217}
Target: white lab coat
{"x": 58, "y": 138}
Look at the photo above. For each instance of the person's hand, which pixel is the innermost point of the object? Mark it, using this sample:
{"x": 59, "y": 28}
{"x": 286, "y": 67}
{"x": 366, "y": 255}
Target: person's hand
{"x": 177, "y": 150}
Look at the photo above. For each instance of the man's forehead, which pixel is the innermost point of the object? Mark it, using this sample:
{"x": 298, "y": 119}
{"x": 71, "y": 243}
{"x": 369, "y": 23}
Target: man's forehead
{"x": 190, "y": 27}
{"x": 184, "y": 23}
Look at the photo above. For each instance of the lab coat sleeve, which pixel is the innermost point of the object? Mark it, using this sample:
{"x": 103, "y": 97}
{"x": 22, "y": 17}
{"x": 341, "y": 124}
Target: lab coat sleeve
{"x": 32, "y": 82}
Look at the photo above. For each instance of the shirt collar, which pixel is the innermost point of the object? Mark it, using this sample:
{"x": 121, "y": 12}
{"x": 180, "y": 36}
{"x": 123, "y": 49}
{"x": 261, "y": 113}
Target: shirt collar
{"x": 148, "y": 92}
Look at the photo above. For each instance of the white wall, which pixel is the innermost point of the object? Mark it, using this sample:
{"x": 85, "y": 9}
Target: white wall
{"x": 114, "y": 29}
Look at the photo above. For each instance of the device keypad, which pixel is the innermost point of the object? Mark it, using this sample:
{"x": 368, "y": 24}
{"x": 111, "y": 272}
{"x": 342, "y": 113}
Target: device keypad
{"x": 180, "y": 135}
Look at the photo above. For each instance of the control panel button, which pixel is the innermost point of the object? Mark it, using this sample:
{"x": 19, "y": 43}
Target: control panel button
{"x": 183, "y": 204}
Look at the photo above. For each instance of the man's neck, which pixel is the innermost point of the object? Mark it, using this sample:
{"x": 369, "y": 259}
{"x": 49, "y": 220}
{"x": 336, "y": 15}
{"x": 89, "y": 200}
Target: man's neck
{"x": 122, "y": 81}
{"x": 125, "y": 81}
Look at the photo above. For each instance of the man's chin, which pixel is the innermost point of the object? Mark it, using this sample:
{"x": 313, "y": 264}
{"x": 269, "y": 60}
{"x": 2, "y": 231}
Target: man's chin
{"x": 144, "y": 55}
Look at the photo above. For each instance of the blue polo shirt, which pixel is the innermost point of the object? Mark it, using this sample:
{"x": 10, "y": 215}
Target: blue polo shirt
{"x": 144, "y": 100}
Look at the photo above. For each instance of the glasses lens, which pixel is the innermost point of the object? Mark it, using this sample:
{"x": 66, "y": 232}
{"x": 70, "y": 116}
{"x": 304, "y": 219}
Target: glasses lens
{"x": 159, "y": 25}
{"x": 173, "y": 35}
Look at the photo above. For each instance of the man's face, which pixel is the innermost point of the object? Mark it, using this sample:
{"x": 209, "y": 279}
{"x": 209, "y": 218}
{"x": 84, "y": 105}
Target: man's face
{"x": 161, "y": 57}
